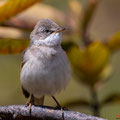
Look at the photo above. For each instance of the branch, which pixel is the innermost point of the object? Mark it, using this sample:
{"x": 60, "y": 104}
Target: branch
{"x": 21, "y": 112}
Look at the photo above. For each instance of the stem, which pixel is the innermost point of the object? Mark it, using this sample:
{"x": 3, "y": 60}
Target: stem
{"x": 87, "y": 21}
{"x": 95, "y": 103}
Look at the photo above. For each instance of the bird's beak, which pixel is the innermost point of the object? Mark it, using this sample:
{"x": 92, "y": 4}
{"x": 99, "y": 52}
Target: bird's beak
{"x": 60, "y": 29}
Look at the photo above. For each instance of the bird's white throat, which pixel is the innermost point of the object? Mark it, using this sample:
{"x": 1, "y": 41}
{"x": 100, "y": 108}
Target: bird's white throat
{"x": 52, "y": 40}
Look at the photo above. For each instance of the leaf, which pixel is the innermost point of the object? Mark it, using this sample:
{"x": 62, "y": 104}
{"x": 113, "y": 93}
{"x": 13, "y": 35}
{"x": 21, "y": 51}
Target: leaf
{"x": 13, "y": 7}
{"x": 115, "y": 98}
{"x": 106, "y": 73}
{"x": 77, "y": 102}
{"x": 114, "y": 42}
{"x": 12, "y": 46}
{"x": 89, "y": 63}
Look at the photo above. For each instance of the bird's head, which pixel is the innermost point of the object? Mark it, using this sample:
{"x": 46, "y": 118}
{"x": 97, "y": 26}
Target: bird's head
{"x": 46, "y": 32}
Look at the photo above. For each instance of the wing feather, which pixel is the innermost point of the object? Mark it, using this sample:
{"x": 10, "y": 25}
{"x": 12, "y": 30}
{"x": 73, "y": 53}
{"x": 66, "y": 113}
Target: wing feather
{"x": 26, "y": 93}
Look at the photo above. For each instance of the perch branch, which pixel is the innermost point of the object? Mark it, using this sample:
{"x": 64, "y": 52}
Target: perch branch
{"x": 21, "y": 112}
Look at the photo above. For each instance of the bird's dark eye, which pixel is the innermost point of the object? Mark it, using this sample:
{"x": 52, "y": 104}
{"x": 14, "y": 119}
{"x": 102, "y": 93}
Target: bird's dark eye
{"x": 47, "y": 31}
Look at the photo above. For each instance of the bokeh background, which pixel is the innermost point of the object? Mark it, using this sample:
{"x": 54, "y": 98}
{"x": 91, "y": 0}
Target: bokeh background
{"x": 103, "y": 25}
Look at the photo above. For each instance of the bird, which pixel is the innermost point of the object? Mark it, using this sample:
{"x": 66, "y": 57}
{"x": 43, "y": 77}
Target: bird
{"x": 45, "y": 68}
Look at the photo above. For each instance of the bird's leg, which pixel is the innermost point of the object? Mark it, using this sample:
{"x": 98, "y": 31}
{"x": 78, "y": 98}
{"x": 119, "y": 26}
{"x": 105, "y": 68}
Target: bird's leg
{"x": 59, "y": 106}
{"x": 31, "y": 102}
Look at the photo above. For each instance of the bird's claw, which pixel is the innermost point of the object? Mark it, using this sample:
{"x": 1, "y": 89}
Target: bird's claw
{"x": 30, "y": 106}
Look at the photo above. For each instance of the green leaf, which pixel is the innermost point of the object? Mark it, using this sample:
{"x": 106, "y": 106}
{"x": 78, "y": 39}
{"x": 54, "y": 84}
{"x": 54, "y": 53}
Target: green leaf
{"x": 89, "y": 63}
{"x": 12, "y": 46}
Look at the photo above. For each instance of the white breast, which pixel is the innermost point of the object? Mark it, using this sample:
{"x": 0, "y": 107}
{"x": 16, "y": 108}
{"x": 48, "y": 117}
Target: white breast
{"x": 46, "y": 71}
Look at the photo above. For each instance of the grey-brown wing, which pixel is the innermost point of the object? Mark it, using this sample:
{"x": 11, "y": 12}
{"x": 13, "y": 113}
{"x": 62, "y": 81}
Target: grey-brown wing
{"x": 26, "y": 94}
{"x": 23, "y": 61}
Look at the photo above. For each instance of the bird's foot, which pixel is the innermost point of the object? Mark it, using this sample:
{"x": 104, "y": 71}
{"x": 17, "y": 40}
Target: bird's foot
{"x": 30, "y": 103}
{"x": 30, "y": 106}
{"x": 62, "y": 110}
{"x": 27, "y": 104}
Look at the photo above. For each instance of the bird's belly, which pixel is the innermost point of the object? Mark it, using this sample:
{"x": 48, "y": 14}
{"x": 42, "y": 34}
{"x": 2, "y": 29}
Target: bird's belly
{"x": 45, "y": 77}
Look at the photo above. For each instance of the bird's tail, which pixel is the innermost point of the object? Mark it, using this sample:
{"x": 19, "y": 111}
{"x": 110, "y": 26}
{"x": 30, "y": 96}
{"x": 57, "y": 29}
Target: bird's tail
{"x": 39, "y": 101}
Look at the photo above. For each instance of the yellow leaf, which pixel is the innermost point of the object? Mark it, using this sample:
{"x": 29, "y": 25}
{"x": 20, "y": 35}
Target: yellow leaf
{"x": 12, "y": 46}
{"x": 114, "y": 42}
{"x": 13, "y": 7}
{"x": 106, "y": 72}
{"x": 90, "y": 62}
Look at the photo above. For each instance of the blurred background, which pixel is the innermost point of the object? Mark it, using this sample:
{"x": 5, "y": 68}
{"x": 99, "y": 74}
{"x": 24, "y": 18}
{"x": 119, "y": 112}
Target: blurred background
{"x": 92, "y": 43}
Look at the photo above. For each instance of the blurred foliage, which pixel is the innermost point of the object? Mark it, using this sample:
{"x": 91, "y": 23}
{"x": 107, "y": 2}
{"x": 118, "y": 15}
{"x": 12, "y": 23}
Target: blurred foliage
{"x": 88, "y": 57}
{"x": 14, "y": 7}
{"x": 88, "y": 14}
{"x": 115, "y": 98}
{"x": 10, "y": 46}
{"x": 114, "y": 42}
{"x": 92, "y": 61}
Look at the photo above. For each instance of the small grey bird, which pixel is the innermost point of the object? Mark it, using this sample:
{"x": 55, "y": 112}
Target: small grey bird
{"x": 45, "y": 69}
